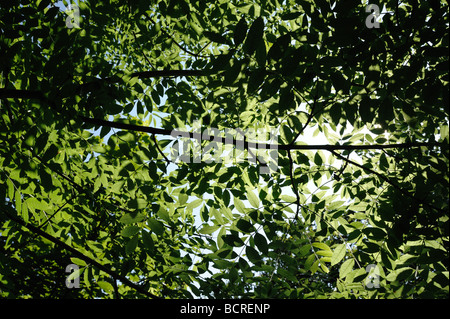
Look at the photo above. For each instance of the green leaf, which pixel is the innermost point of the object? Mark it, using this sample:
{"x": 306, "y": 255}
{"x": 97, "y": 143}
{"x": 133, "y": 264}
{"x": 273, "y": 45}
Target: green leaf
{"x": 131, "y": 245}
{"x": 131, "y": 218}
{"x": 218, "y": 215}
{"x": 288, "y": 198}
{"x": 325, "y": 253}
{"x": 252, "y": 198}
{"x": 314, "y": 267}
{"x": 244, "y": 226}
{"x": 339, "y": 82}
{"x": 182, "y": 198}
{"x": 18, "y": 203}
{"x": 226, "y": 211}
{"x": 318, "y": 159}
{"x": 233, "y": 240}
{"x": 24, "y": 212}
{"x": 287, "y": 102}
{"x": 147, "y": 240}
{"x": 444, "y": 135}
{"x": 74, "y": 275}
{"x": 323, "y": 266}
{"x": 400, "y": 274}
{"x": 322, "y": 246}
{"x": 335, "y": 204}
{"x": 338, "y": 254}
{"x": 137, "y": 203}
{"x": 291, "y": 15}
{"x": 286, "y": 134}
{"x": 130, "y": 231}
{"x": 106, "y": 286}
{"x": 221, "y": 233}
{"x": 208, "y": 229}
{"x": 78, "y": 261}
{"x": 50, "y": 153}
{"x": 156, "y": 226}
{"x": 256, "y": 80}
{"x": 309, "y": 261}
{"x": 216, "y": 37}
{"x": 287, "y": 274}
{"x": 346, "y": 268}
{"x": 86, "y": 279}
{"x": 222, "y": 264}
{"x": 195, "y": 203}
{"x": 252, "y": 254}
{"x": 33, "y": 203}
{"x": 240, "y": 206}
{"x": 261, "y": 243}
{"x": 117, "y": 187}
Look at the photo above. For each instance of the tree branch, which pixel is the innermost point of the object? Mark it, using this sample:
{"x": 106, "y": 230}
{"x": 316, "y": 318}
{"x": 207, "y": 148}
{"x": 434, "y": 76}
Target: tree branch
{"x": 168, "y": 73}
{"x": 311, "y": 115}
{"x": 159, "y": 150}
{"x": 26, "y": 94}
{"x": 196, "y": 55}
{"x": 21, "y": 94}
{"x": 386, "y": 179}
{"x": 294, "y": 184}
{"x": 327, "y": 147}
{"x": 80, "y": 255}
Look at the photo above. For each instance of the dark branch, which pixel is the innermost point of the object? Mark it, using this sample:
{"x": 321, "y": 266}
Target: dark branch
{"x": 26, "y": 94}
{"x": 174, "y": 133}
{"x": 196, "y": 55}
{"x": 21, "y": 94}
{"x": 387, "y": 180}
{"x": 294, "y": 184}
{"x": 80, "y": 255}
{"x": 310, "y": 117}
{"x": 159, "y": 150}
{"x": 169, "y": 73}
{"x": 124, "y": 126}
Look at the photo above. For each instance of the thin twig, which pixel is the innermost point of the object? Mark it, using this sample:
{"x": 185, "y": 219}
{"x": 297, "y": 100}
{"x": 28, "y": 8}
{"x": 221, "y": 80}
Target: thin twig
{"x": 159, "y": 150}
{"x": 294, "y": 184}
{"x": 57, "y": 211}
{"x": 311, "y": 115}
{"x": 196, "y": 55}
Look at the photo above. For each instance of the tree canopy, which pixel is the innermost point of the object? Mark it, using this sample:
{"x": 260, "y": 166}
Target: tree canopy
{"x": 98, "y": 99}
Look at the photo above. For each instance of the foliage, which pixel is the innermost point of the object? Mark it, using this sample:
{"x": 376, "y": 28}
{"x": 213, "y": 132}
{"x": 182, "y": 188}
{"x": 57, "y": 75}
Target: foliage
{"x": 87, "y": 178}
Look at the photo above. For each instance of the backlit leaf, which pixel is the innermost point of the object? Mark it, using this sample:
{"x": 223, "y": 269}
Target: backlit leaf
{"x": 338, "y": 254}
{"x": 346, "y": 268}
{"x": 252, "y": 198}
